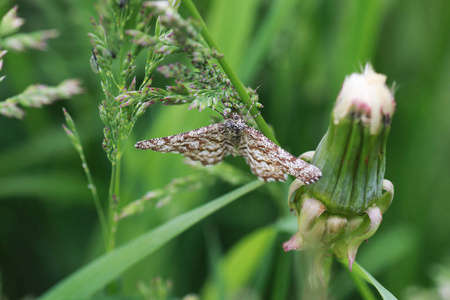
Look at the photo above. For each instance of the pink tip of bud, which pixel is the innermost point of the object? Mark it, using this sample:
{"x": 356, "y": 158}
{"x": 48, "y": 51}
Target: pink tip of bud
{"x": 351, "y": 260}
{"x": 366, "y": 93}
{"x": 294, "y": 243}
{"x": 364, "y": 107}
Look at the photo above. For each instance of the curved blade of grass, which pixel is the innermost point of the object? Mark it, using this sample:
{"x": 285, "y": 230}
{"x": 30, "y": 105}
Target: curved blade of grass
{"x": 91, "y": 278}
{"x": 399, "y": 239}
{"x": 57, "y": 187}
{"x": 363, "y": 274}
{"x": 259, "y": 244}
{"x": 232, "y": 24}
{"x": 272, "y": 24}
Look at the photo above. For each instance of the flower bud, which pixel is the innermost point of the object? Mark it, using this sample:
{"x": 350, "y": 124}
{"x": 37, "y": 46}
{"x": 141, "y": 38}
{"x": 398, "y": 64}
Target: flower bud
{"x": 352, "y": 154}
{"x": 352, "y": 157}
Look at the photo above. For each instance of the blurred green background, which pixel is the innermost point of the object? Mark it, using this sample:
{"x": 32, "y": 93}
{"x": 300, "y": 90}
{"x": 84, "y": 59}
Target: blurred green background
{"x": 297, "y": 53}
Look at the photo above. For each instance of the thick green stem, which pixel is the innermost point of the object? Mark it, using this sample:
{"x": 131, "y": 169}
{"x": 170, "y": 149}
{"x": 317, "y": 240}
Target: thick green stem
{"x": 112, "y": 221}
{"x": 316, "y": 265}
{"x": 238, "y": 85}
{"x": 112, "y": 207}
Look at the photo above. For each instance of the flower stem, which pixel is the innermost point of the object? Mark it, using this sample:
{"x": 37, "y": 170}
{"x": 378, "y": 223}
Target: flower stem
{"x": 238, "y": 85}
{"x": 316, "y": 266}
{"x": 113, "y": 188}
{"x": 72, "y": 133}
{"x": 94, "y": 193}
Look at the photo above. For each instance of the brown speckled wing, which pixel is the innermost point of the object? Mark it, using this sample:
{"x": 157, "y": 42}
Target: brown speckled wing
{"x": 270, "y": 162}
{"x": 206, "y": 144}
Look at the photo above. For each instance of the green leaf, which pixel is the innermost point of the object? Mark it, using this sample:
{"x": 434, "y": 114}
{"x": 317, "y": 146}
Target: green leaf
{"x": 50, "y": 187}
{"x": 357, "y": 32}
{"x": 272, "y": 24}
{"x": 399, "y": 239}
{"x": 91, "y": 278}
{"x": 247, "y": 257}
{"x": 361, "y": 272}
{"x": 231, "y": 24}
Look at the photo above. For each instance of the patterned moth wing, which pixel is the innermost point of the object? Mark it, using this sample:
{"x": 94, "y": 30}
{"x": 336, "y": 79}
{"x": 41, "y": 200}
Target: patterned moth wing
{"x": 206, "y": 144}
{"x": 210, "y": 144}
{"x": 272, "y": 163}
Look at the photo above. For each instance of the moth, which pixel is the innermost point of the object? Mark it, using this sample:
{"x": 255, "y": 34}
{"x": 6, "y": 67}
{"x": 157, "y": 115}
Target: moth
{"x": 210, "y": 144}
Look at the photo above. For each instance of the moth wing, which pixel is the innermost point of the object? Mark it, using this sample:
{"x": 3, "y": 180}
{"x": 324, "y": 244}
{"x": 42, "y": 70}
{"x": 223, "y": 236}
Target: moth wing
{"x": 206, "y": 144}
{"x": 272, "y": 163}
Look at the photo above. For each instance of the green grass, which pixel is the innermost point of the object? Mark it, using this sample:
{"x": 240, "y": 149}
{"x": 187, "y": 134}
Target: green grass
{"x": 298, "y": 53}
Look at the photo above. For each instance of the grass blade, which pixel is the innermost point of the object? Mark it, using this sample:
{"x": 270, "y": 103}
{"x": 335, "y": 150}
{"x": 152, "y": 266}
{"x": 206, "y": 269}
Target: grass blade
{"x": 94, "y": 276}
{"x": 362, "y": 273}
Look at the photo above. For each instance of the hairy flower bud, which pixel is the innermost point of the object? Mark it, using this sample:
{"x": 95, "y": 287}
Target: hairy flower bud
{"x": 345, "y": 207}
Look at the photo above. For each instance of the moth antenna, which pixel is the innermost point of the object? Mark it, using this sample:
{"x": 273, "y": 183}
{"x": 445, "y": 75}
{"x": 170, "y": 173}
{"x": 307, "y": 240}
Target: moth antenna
{"x": 251, "y": 117}
{"x": 213, "y": 108}
{"x": 248, "y": 116}
{"x": 250, "y": 108}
